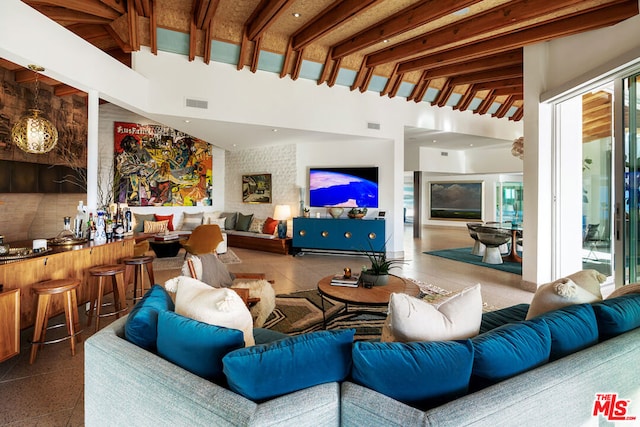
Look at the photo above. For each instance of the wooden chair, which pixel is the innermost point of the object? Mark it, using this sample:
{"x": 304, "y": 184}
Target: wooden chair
{"x": 242, "y": 292}
{"x": 203, "y": 240}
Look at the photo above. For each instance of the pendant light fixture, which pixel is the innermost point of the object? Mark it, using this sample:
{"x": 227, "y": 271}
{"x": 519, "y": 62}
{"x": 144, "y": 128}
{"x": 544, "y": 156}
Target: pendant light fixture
{"x": 34, "y": 133}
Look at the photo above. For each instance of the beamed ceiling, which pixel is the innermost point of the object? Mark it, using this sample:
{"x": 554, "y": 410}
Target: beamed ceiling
{"x": 462, "y": 54}
{"x": 457, "y": 51}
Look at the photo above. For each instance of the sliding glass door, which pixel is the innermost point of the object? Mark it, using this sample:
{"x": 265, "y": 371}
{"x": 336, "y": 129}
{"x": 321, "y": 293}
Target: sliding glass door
{"x": 631, "y": 178}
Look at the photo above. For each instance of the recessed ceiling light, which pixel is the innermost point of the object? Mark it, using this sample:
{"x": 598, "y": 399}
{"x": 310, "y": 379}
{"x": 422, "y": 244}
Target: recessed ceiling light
{"x": 296, "y": 15}
{"x": 274, "y": 130}
{"x": 470, "y": 145}
{"x": 385, "y": 41}
{"x": 187, "y": 121}
{"x": 435, "y": 140}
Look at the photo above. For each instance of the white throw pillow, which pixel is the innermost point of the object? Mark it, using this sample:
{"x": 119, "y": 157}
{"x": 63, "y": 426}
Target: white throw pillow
{"x": 589, "y": 280}
{"x": 558, "y": 294}
{"x": 217, "y": 221}
{"x": 413, "y": 319}
{"x": 207, "y": 217}
{"x": 215, "y": 306}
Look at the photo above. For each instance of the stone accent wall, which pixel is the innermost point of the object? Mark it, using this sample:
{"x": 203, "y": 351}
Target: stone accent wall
{"x": 279, "y": 161}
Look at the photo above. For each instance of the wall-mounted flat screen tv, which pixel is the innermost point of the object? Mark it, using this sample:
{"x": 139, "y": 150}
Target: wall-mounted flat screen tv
{"x": 343, "y": 187}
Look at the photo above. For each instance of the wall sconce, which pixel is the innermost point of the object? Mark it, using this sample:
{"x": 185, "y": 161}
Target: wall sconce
{"x": 33, "y": 133}
{"x": 282, "y": 213}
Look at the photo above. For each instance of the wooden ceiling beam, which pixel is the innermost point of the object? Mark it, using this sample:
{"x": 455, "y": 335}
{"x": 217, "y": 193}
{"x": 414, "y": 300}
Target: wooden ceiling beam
{"x": 244, "y": 45}
{"x": 499, "y": 84}
{"x": 504, "y": 108}
{"x": 142, "y": 7}
{"x": 193, "y": 34}
{"x": 396, "y": 86}
{"x": 444, "y": 94}
{"x": 91, "y": 7}
{"x": 287, "y": 59}
{"x": 333, "y": 76}
{"x": 515, "y": 91}
{"x": 211, "y": 12}
{"x": 406, "y": 20}
{"x": 207, "y": 42}
{"x": 326, "y": 70}
{"x": 64, "y": 16}
{"x": 597, "y": 18}
{"x": 264, "y": 15}
{"x": 332, "y": 17}
{"x": 518, "y": 115}
{"x": 391, "y": 81}
{"x": 360, "y": 76}
{"x": 486, "y": 103}
{"x": 153, "y": 27}
{"x": 298, "y": 65}
{"x": 496, "y": 19}
{"x": 66, "y": 90}
{"x": 117, "y": 5}
{"x": 466, "y": 98}
{"x": 489, "y": 75}
{"x": 367, "y": 79}
{"x": 255, "y": 58}
{"x": 122, "y": 44}
{"x": 513, "y": 57}
{"x": 24, "y": 75}
{"x": 132, "y": 14}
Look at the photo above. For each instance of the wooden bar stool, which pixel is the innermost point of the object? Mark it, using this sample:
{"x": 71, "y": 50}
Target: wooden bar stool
{"x": 134, "y": 266}
{"x": 44, "y": 291}
{"x": 116, "y": 272}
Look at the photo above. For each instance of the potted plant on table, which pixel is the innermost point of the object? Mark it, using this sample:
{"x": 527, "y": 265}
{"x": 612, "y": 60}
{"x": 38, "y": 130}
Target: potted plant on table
{"x": 378, "y": 272}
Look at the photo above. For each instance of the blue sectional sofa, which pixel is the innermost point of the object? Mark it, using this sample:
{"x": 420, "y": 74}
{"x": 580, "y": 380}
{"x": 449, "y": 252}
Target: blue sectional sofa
{"x": 127, "y": 385}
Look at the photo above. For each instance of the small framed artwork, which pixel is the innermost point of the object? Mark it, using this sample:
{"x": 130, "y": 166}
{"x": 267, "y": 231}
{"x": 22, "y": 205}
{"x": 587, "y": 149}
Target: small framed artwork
{"x": 256, "y": 188}
{"x": 381, "y": 214}
{"x": 461, "y": 200}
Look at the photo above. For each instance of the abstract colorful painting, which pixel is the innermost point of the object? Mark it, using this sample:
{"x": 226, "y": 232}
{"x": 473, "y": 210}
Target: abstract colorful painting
{"x": 159, "y": 166}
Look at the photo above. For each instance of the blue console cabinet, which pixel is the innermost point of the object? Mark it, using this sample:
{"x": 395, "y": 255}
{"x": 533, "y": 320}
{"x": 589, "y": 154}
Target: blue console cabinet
{"x": 329, "y": 234}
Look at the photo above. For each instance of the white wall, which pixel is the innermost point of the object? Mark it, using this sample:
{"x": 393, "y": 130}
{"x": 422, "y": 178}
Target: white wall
{"x": 109, "y": 114}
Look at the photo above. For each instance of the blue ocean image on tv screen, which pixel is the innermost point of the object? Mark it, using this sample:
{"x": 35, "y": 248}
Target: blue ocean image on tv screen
{"x": 338, "y": 188}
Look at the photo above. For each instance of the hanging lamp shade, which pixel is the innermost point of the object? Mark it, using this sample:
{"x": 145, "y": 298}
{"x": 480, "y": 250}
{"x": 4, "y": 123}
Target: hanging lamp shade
{"x": 33, "y": 133}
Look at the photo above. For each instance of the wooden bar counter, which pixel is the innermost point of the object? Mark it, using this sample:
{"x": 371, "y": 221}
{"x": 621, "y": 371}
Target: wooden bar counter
{"x": 59, "y": 263}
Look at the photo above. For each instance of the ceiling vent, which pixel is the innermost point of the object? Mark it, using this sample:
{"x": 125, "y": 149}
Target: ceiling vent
{"x": 197, "y": 103}
{"x": 444, "y": 153}
{"x": 375, "y": 126}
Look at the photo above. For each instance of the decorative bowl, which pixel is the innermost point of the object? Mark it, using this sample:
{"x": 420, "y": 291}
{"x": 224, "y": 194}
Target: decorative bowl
{"x": 336, "y": 212}
{"x": 356, "y": 216}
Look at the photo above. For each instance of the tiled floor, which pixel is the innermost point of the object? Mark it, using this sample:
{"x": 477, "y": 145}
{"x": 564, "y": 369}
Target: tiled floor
{"x": 50, "y": 392}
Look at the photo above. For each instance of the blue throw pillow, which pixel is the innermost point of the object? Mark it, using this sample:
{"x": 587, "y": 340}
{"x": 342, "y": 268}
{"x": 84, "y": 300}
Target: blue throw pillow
{"x": 195, "y": 346}
{"x": 572, "y": 328}
{"x": 265, "y": 371}
{"x": 420, "y": 374}
{"x": 142, "y": 323}
{"x": 510, "y": 350}
{"x": 617, "y": 315}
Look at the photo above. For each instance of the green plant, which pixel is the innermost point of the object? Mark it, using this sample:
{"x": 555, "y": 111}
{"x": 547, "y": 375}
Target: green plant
{"x": 379, "y": 262}
{"x": 357, "y": 211}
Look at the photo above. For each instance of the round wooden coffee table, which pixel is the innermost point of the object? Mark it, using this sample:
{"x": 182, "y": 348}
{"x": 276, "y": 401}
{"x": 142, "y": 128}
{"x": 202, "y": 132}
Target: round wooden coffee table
{"x": 376, "y": 296}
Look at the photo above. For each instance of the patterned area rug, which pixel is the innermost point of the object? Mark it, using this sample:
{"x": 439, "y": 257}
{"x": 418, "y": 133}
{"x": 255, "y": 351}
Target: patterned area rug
{"x": 175, "y": 263}
{"x": 301, "y": 312}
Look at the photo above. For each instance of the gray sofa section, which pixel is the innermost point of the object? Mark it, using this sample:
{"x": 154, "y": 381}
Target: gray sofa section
{"x": 560, "y": 393}
{"x": 126, "y": 385}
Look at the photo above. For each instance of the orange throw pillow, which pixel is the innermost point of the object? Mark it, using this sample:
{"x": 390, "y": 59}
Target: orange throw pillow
{"x": 269, "y": 226}
{"x": 166, "y": 218}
